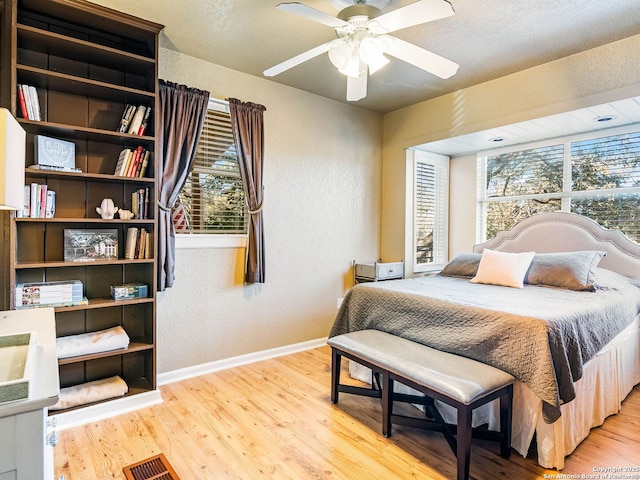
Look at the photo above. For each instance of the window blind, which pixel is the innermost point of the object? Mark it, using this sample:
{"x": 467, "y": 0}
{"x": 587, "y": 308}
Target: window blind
{"x": 213, "y": 196}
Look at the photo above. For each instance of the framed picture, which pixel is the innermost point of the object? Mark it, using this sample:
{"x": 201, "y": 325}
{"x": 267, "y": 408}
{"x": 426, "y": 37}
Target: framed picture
{"x": 86, "y": 245}
{"x": 53, "y": 152}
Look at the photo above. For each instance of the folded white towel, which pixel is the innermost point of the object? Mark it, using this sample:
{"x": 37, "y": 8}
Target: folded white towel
{"x": 92, "y": 342}
{"x": 90, "y": 392}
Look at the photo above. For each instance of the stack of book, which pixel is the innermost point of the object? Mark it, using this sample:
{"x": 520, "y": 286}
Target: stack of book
{"x": 138, "y": 244}
{"x": 140, "y": 203}
{"x": 132, "y": 163}
{"x": 39, "y": 202}
{"x": 50, "y": 294}
{"x": 29, "y": 102}
{"x": 134, "y": 119}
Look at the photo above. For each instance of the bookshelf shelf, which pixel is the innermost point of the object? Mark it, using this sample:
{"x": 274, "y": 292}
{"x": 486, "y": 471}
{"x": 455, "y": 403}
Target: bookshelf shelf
{"x": 136, "y": 386}
{"x": 54, "y": 264}
{"x": 81, "y": 86}
{"x": 132, "y": 348}
{"x": 46, "y": 42}
{"x": 76, "y": 132}
{"x": 100, "y": 177}
{"x": 86, "y": 63}
{"x": 144, "y": 221}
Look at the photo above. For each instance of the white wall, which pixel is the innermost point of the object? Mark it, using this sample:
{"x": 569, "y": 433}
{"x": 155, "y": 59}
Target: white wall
{"x": 462, "y": 204}
{"x": 597, "y": 76}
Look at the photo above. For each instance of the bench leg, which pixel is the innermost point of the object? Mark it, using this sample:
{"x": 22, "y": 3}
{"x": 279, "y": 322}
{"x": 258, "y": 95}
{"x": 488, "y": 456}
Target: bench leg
{"x": 463, "y": 438}
{"x": 506, "y": 406}
{"x": 335, "y": 374}
{"x": 387, "y": 403}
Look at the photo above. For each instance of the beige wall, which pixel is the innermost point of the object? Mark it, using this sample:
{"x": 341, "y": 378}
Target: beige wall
{"x": 321, "y": 211}
{"x": 589, "y": 78}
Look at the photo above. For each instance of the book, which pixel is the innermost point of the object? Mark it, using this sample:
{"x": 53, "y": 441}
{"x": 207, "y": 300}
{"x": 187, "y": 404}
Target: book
{"x": 147, "y": 246}
{"x": 33, "y": 202}
{"x": 131, "y": 242}
{"x": 127, "y": 164}
{"x": 146, "y": 203}
{"x": 27, "y": 101}
{"x": 145, "y": 161}
{"x": 35, "y": 101}
{"x": 140, "y": 243}
{"x": 50, "y": 209}
{"x": 145, "y": 120}
{"x": 122, "y": 161}
{"x": 43, "y": 201}
{"x": 126, "y": 118}
{"x": 134, "y": 162}
{"x": 140, "y": 203}
{"x": 55, "y": 169}
{"x": 142, "y": 234}
{"x": 26, "y": 206}
{"x": 136, "y": 121}
{"x": 23, "y": 104}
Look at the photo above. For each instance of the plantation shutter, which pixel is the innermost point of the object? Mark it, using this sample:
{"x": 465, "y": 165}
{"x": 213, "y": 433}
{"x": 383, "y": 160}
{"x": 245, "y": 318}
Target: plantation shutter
{"x": 430, "y": 211}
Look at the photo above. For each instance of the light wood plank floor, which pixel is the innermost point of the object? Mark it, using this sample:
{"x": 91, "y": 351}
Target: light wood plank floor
{"x": 274, "y": 419}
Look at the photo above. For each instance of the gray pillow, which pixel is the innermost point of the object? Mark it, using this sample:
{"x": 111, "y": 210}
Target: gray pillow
{"x": 570, "y": 270}
{"x": 462, "y": 265}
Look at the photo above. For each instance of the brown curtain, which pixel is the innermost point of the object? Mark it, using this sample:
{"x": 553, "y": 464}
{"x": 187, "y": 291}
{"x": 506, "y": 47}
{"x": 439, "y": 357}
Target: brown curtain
{"x": 182, "y": 112}
{"x": 248, "y": 134}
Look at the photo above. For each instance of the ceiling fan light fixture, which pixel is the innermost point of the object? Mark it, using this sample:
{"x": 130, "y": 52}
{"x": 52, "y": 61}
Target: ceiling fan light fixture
{"x": 340, "y": 51}
{"x": 372, "y": 51}
{"x": 354, "y": 67}
{"x": 377, "y": 63}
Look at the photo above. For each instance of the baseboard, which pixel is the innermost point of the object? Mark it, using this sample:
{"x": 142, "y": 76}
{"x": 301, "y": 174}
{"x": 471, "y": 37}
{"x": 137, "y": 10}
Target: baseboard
{"x": 119, "y": 406}
{"x": 215, "y": 366}
{"x": 100, "y": 411}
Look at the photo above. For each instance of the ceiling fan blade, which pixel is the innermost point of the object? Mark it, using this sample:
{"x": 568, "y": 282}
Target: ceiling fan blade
{"x": 356, "y": 88}
{"x": 422, "y": 11}
{"x": 421, "y": 58}
{"x": 312, "y": 14}
{"x": 297, "y": 60}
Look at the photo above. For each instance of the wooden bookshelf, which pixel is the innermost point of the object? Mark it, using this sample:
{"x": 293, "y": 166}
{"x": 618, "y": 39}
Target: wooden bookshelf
{"x": 87, "y": 62}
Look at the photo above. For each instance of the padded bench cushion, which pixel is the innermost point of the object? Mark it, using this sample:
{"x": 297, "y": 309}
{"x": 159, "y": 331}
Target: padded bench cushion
{"x": 457, "y": 377}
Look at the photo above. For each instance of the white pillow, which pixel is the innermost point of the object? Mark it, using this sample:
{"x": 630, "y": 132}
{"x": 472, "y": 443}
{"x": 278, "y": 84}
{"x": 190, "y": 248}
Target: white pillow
{"x": 502, "y": 268}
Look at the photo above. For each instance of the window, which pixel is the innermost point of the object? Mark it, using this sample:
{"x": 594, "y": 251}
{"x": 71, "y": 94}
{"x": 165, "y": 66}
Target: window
{"x": 428, "y": 207}
{"x": 212, "y": 198}
{"x": 596, "y": 175}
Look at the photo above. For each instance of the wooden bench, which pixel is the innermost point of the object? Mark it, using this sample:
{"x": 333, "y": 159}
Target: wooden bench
{"x": 457, "y": 381}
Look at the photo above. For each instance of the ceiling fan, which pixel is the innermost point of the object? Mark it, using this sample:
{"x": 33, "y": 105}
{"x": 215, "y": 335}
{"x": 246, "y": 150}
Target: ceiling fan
{"x": 363, "y": 39}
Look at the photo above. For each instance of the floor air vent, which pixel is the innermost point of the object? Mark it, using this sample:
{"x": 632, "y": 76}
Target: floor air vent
{"x": 154, "y": 468}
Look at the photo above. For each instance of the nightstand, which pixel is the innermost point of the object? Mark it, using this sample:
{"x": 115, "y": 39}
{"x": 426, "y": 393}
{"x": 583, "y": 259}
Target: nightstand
{"x": 377, "y": 271}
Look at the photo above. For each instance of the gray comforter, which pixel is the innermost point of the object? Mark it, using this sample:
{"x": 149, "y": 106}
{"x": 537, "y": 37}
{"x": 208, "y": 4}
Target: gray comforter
{"x": 542, "y": 336}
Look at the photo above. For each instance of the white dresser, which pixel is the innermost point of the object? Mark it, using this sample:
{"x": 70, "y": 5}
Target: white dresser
{"x": 26, "y": 436}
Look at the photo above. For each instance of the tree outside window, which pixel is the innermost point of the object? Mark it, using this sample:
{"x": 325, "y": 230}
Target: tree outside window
{"x": 595, "y": 177}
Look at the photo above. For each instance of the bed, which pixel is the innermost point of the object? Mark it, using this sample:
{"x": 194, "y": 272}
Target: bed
{"x": 570, "y": 335}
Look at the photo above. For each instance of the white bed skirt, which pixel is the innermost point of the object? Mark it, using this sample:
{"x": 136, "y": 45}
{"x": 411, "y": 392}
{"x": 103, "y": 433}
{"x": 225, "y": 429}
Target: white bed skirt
{"x": 607, "y": 380}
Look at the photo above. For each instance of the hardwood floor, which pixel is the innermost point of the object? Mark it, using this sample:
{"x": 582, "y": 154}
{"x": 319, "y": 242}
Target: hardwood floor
{"x": 274, "y": 419}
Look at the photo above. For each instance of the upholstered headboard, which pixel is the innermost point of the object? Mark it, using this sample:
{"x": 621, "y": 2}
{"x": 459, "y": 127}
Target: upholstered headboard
{"x": 566, "y": 232}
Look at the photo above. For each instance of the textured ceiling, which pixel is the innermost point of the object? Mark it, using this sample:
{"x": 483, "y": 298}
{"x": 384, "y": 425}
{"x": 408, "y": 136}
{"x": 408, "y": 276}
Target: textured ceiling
{"x": 488, "y": 38}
